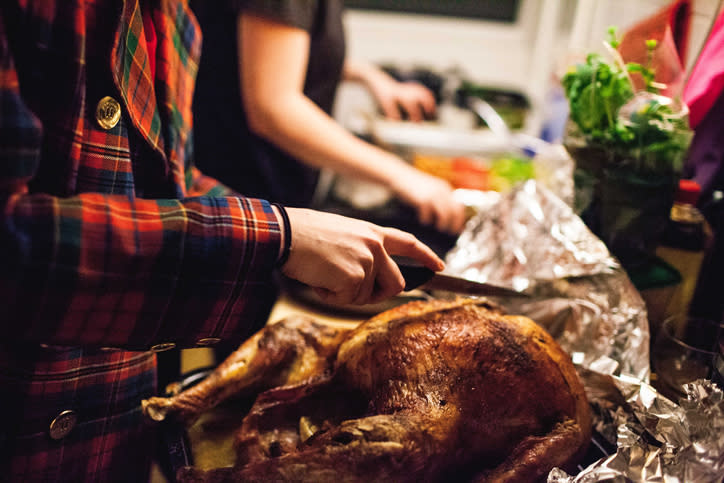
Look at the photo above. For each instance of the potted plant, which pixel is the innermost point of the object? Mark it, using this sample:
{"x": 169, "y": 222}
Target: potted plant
{"x": 629, "y": 145}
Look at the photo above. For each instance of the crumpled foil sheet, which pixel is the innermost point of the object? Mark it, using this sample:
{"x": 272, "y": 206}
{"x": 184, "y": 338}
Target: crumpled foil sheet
{"x": 530, "y": 240}
{"x": 658, "y": 440}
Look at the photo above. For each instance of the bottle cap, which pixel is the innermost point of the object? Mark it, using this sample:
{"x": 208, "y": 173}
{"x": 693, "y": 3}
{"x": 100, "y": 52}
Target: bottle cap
{"x": 689, "y": 191}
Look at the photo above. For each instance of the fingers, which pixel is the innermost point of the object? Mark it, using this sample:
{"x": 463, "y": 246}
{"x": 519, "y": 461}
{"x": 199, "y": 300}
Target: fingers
{"x": 389, "y": 280}
{"x": 417, "y": 101}
{"x": 426, "y": 214}
{"x": 428, "y": 103}
{"x": 449, "y": 216}
{"x": 458, "y": 219}
{"x": 346, "y": 291}
{"x": 386, "y": 280}
{"x": 347, "y": 260}
{"x": 398, "y": 242}
{"x": 440, "y": 209}
{"x": 367, "y": 284}
{"x": 326, "y": 295}
{"x": 383, "y": 278}
{"x": 413, "y": 109}
{"x": 433, "y": 198}
{"x": 390, "y": 108}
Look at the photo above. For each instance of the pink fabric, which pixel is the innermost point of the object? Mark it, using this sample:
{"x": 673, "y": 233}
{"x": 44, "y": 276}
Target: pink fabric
{"x": 669, "y": 26}
{"x": 707, "y": 78}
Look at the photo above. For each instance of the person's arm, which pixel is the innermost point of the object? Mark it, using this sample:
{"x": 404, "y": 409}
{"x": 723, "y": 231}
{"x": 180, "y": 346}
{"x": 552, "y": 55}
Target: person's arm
{"x": 113, "y": 270}
{"x": 272, "y": 70}
{"x": 394, "y": 97}
{"x": 346, "y": 260}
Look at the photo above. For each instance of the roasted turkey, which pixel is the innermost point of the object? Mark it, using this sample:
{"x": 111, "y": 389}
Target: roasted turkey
{"x": 428, "y": 391}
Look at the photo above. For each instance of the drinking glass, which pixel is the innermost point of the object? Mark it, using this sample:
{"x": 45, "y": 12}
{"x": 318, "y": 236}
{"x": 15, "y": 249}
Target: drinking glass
{"x": 685, "y": 350}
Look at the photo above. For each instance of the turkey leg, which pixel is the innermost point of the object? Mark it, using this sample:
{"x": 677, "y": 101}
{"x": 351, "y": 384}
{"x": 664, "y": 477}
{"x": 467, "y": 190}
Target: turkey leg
{"x": 286, "y": 352}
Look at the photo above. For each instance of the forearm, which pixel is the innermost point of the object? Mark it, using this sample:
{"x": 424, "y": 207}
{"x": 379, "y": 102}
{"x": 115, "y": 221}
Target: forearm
{"x": 361, "y": 71}
{"x": 298, "y": 126}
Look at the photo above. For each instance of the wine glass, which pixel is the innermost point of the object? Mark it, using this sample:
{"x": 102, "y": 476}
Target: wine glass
{"x": 684, "y": 351}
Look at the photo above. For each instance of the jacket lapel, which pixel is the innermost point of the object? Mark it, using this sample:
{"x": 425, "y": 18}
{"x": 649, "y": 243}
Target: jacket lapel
{"x": 161, "y": 110}
{"x": 132, "y": 75}
{"x": 179, "y": 49}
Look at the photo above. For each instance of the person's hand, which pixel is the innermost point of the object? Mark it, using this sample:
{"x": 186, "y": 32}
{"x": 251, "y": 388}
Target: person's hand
{"x": 397, "y": 99}
{"x": 432, "y": 198}
{"x": 414, "y": 99}
{"x": 347, "y": 260}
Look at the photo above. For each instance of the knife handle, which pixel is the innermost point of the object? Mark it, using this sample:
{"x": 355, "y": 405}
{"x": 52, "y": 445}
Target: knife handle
{"x": 414, "y": 272}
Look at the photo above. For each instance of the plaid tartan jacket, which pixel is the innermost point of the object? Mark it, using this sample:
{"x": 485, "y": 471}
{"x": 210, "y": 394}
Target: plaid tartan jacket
{"x": 110, "y": 240}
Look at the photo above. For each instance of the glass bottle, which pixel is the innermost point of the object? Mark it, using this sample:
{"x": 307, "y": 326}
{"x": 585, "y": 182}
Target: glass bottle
{"x": 684, "y": 244}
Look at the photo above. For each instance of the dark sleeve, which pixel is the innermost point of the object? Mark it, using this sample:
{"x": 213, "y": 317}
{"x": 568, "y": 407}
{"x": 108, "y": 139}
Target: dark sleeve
{"x": 295, "y": 13}
{"x": 705, "y": 157}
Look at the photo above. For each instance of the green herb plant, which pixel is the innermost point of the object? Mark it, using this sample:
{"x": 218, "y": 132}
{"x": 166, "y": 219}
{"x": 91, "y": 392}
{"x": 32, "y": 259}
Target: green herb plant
{"x": 640, "y": 131}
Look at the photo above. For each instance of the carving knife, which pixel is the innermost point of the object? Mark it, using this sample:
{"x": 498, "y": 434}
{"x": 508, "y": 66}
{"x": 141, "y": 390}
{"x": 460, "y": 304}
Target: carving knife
{"x": 419, "y": 276}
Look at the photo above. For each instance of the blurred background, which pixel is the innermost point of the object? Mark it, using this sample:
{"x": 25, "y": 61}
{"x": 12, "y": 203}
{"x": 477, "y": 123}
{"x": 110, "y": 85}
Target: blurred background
{"x": 511, "y": 56}
{"x": 512, "y": 45}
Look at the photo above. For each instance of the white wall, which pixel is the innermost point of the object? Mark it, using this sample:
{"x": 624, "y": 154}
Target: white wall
{"x": 494, "y": 52}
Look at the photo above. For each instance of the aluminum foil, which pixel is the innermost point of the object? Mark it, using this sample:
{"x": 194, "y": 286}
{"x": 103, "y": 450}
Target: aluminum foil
{"x": 531, "y": 240}
{"x": 658, "y": 440}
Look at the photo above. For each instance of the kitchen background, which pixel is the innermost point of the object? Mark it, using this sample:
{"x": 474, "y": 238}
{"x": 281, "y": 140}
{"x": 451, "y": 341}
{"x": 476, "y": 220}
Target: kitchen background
{"x": 519, "y": 46}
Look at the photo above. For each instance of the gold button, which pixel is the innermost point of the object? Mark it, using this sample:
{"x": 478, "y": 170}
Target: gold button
{"x": 166, "y": 346}
{"x": 108, "y": 113}
{"x": 63, "y": 424}
{"x": 208, "y": 341}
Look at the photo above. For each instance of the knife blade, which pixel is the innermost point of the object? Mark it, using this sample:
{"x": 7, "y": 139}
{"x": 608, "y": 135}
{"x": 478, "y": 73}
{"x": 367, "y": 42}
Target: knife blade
{"x": 419, "y": 276}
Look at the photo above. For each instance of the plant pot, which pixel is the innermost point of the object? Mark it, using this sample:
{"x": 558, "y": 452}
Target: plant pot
{"x": 624, "y": 208}
{"x": 633, "y": 213}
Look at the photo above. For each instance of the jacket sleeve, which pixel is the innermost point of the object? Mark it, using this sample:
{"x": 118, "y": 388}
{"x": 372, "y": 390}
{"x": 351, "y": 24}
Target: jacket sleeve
{"x": 112, "y": 270}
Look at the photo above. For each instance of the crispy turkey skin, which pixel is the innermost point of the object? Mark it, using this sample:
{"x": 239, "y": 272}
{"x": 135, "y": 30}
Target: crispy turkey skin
{"x": 428, "y": 391}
